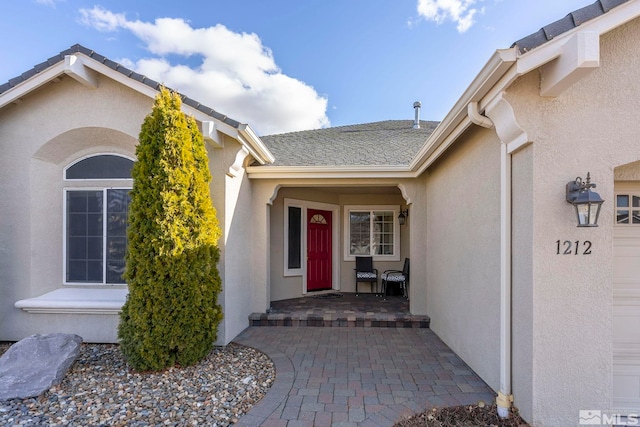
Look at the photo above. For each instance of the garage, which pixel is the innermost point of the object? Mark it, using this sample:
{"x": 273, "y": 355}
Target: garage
{"x": 626, "y": 297}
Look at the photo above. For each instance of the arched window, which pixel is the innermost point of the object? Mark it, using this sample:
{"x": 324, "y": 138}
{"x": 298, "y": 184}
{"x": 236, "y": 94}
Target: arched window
{"x": 104, "y": 166}
{"x": 96, "y": 220}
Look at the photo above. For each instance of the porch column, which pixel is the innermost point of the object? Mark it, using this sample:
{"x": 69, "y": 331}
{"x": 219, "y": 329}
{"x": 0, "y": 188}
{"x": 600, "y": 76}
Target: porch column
{"x": 413, "y": 192}
{"x": 264, "y": 194}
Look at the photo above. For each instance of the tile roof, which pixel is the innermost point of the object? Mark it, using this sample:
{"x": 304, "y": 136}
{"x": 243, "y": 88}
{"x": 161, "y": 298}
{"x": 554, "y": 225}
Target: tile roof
{"x": 569, "y": 22}
{"x": 387, "y": 143}
{"x": 117, "y": 67}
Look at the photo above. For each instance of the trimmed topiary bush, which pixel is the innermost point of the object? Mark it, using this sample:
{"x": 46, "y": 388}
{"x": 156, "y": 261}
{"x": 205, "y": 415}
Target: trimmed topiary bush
{"x": 171, "y": 314}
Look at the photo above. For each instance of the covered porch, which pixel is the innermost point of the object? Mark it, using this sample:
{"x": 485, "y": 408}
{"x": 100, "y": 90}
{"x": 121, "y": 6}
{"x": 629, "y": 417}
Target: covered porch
{"x": 361, "y": 219}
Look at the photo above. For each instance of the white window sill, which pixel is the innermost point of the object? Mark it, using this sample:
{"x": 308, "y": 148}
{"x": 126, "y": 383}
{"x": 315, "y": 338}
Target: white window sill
{"x": 76, "y": 301}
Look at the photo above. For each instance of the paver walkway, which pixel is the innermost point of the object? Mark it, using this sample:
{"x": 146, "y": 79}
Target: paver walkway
{"x": 357, "y": 376}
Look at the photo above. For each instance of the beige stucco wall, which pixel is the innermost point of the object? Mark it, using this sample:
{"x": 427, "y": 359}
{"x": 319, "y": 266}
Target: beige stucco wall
{"x": 48, "y": 130}
{"x": 232, "y": 197}
{"x": 53, "y": 127}
{"x": 593, "y": 127}
{"x": 463, "y": 250}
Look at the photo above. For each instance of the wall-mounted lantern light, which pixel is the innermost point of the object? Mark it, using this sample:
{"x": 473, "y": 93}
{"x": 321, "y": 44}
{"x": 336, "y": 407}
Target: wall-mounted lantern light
{"x": 402, "y": 218}
{"x": 587, "y": 202}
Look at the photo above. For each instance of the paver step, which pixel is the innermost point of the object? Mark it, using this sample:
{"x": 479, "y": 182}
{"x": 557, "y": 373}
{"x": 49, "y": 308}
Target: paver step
{"x": 268, "y": 319}
{"x": 341, "y": 309}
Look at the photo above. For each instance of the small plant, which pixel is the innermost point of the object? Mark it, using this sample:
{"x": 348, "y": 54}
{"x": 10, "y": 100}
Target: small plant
{"x": 171, "y": 314}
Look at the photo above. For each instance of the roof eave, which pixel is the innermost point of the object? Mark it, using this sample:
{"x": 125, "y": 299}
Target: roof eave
{"x": 15, "y": 93}
{"x": 329, "y": 172}
{"x": 254, "y": 145}
{"x": 457, "y": 120}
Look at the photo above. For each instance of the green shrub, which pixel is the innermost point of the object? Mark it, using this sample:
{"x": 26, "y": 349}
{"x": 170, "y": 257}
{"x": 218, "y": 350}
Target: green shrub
{"x": 171, "y": 314}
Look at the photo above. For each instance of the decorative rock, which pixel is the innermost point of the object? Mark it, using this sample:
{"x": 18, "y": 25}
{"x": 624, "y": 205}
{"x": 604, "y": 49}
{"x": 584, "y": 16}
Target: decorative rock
{"x": 101, "y": 375}
{"x": 32, "y": 365}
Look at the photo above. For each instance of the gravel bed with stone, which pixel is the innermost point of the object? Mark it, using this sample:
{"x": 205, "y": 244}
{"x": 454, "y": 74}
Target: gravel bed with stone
{"x": 101, "y": 390}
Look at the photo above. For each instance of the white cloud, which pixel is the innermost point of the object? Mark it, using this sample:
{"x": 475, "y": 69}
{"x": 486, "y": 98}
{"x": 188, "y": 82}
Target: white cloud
{"x": 102, "y": 19}
{"x": 459, "y": 11}
{"x": 237, "y": 75}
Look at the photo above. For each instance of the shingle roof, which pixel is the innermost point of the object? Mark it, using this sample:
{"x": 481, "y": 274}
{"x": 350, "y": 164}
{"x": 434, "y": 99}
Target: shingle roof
{"x": 569, "y": 22}
{"x": 117, "y": 67}
{"x": 389, "y": 143}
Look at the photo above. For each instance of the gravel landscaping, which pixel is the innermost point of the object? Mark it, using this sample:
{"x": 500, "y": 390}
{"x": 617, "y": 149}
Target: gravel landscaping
{"x": 100, "y": 390}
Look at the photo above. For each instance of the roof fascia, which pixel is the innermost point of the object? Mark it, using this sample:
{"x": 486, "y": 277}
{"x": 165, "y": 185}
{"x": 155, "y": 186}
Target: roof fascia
{"x": 151, "y": 92}
{"x": 334, "y": 172}
{"x": 254, "y": 145}
{"x": 457, "y": 120}
{"x": 15, "y": 93}
{"x": 243, "y": 133}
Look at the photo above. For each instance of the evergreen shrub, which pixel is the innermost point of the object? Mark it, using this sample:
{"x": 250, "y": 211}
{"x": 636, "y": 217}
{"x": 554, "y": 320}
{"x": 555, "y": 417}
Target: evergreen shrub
{"x": 171, "y": 314}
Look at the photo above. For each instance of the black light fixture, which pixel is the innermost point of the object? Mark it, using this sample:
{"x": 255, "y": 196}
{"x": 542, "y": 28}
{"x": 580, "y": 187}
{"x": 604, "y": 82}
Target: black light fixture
{"x": 402, "y": 218}
{"x": 587, "y": 202}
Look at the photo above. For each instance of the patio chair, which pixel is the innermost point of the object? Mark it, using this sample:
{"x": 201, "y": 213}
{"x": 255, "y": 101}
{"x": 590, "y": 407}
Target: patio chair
{"x": 396, "y": 276}
{"x": 366, "y": 273}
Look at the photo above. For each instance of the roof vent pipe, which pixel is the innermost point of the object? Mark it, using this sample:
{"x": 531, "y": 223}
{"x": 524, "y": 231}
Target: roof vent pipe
{"x": 416, "y": 122}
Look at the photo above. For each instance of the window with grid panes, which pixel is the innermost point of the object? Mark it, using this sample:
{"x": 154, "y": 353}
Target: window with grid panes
{"x": 628, "y": 209}
{"x": 372, "y": 232}
{"x": 96, "y": 220}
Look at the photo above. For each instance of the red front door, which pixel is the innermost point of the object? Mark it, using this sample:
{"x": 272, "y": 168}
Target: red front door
{"x": 318, "y": 250}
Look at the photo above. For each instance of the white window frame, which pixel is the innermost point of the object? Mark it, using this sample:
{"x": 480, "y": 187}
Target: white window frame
{"x": 91, "y": 184}
{"x": 294, "y": 204}
{"x": 371, "y": 208}
{"x": 630, "y": 208}
{"x": 104, "y": 235}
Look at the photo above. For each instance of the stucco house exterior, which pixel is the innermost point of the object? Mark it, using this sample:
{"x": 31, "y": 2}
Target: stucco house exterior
{"x": 547, "y": 313}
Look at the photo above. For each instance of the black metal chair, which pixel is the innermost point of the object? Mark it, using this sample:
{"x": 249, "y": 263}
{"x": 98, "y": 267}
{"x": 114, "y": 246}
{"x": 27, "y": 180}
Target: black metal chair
{"x": 366, "y": 273}
{"x": 397, "y": 276}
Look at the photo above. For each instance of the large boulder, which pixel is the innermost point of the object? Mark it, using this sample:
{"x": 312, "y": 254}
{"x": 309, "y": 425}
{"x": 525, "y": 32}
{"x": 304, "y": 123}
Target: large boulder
{"x": 32, "y": 365}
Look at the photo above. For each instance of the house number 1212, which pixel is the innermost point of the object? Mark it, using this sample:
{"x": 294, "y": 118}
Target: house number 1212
{"x": 568, "y": 247}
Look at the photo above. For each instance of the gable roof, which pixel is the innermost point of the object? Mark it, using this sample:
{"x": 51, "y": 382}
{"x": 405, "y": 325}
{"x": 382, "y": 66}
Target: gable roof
{"x": 393, "y": 146}
{"x": 569, "y": 22}
{"x": 391, "y": 143}
{"x": 83, "y": 64}
{"x": 77, "y": 48}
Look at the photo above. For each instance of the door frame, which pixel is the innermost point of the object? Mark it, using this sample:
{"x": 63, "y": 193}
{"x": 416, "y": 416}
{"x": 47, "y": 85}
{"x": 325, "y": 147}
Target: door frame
{"x": 335, "y": 238}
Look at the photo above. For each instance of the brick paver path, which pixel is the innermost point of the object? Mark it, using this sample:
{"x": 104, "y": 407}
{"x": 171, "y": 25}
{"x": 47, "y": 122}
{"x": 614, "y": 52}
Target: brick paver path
{"x": 357, "y": 376}
{"x": 349, "y": 310}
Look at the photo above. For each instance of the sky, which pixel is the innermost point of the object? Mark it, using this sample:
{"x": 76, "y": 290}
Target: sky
{"x": 286, "y": 65}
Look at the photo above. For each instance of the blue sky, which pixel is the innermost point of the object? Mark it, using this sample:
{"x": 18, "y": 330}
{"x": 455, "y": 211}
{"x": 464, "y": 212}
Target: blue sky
{"x": 286, "y": 65}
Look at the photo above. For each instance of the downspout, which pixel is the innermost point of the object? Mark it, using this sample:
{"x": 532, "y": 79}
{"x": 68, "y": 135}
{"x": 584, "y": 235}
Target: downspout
{"x": 505, "y": 397}
{"x": 477, "y": 118}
